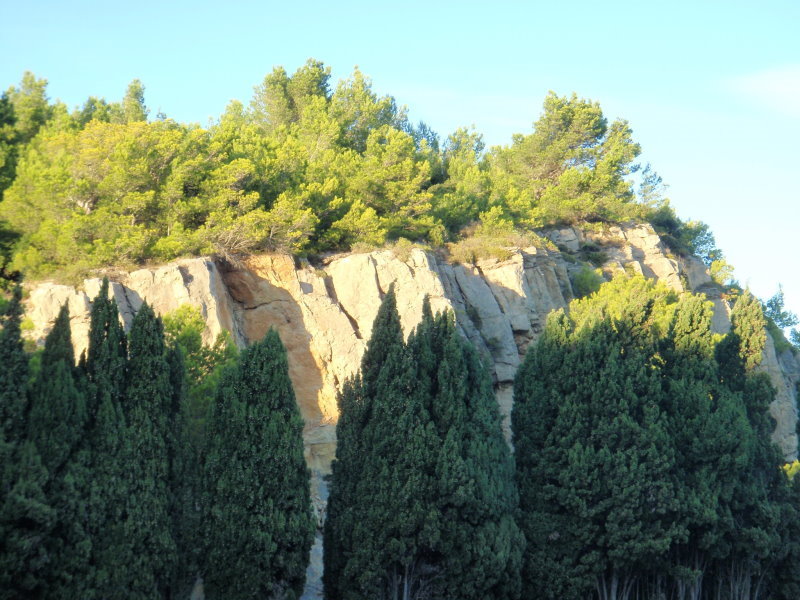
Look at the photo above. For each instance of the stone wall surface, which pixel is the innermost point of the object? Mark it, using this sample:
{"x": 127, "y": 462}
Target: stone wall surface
{"x": 324, "y": 316}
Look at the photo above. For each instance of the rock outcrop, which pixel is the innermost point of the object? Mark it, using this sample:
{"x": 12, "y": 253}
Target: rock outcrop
{"x": 324, "y": 316}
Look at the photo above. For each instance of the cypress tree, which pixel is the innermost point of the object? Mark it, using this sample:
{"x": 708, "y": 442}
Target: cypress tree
{"x": 479, "y": 543}
{"x": 13, "y": 372}
{"x": 422, "y": 494}
{"x": 593, "y": 452}
{"x": 106, "y": 446}
{"x": 25, "y": 522}
{"x": 544, "y": 385}
{"x": 644, "y": 455}
{"x": 786, "y": 584}
{"x": 57, "y": 425}
{"x": 352, "y": 451}
{"x": 750, "y": 529}
{"x": 185, "y": 481}
{"x": 394, "y": 522}
{"x": 148, "y": 407}
{"x": 707, "y": 425}
{"x": 260, "y": 525}
{"x": 58, "y": 407}
{"x": 26, "y": 519}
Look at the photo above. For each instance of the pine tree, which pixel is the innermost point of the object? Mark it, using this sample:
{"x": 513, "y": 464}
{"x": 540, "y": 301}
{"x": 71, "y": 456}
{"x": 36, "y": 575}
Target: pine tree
{"x": 260, "y": 525}
{"x": 148, "y": 407}
{"x": 57, "y": 425}
{"x": 25, "y": 517}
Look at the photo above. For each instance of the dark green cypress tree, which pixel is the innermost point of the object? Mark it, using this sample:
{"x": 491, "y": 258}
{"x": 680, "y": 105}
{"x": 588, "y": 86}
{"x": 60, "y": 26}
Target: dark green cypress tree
{"x": 545, "y": 385}
{"x": 352, "y": 451}
{"x": 26, "y": 519}
{"x": 260, "y": 526}
{"x": 707, "y": 425}
{"x": 149, "y": 406}
{"x": 25, "y": 522}
{"x": 106, "y": 447}
{"x": 394, "y": 521}
{"x": 750, "y": 529}
{"x": 479, "y": 542}
{"x": 57, "y": 425}
{"x": 58, "y": 407}
{"x": 593, "y": 450}
{"x": 422, "y": 494}
{"x": 344, "y": 481}
{"x": 13, "y": 372}
{"x": 786, "y": 584}
{"x": 185, "y": 481}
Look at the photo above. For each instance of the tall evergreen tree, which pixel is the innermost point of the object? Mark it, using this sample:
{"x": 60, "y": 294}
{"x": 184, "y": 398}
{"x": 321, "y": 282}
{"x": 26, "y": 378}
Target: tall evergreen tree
{"x": 260, "y": 526}
{"x": 751, "y": 536}
{"x": 149, "y": 407}
{"x": 185, "y": 481}
{"x": 644, "y": 454}
{"x": 422, "y": 492}
{"x": 480, "y": 545}
{"x": 25, "y": 517}
{"x": 13, "y": 372}
{"x": 133, "y": 107}
{"x": 106, "y": 447}
{"x": 342, "y": 548}
{"x": 57, "y": 425}
{"x": 594, "y": 457}
{"x": 58, "y": 408}
{"x": 707, "y": 427}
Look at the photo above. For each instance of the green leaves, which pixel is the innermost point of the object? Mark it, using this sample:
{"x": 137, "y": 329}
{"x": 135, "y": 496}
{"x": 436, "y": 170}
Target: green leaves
{"x": 643, "y": 449}
{"x": 306, "y": 168}
{"x": 259, "y": 524}
{"x": 422, "y": 494}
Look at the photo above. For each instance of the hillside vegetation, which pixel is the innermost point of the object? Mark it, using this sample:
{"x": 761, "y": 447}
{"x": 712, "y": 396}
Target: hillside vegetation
{"x": 306, "y": 167}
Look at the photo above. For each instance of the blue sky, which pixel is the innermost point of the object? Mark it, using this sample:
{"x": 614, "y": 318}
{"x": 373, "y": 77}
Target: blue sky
{"x": 710, "y": 88}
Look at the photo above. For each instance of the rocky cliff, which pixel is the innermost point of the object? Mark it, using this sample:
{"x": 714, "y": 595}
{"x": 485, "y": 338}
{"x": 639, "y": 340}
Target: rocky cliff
{"x": 324, "y": 315}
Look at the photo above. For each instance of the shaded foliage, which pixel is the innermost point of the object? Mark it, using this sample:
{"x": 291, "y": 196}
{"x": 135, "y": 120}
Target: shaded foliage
{"x": 259, "y": 525}
{"x": 644, "y": 453}
{"x": 422, "y": 497}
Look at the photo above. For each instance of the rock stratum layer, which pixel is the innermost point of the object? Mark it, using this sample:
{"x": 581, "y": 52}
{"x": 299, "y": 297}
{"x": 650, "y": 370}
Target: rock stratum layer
{"x": 324, "y": 316}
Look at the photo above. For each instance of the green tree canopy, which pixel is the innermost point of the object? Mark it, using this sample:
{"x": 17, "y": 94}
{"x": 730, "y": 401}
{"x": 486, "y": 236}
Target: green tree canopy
{"x": 259, "y": 525}
{"x": 307, "y": 167}
{"x": 644, "y": 452}
{"x": 57, "y": 425}
{"x": 422, "y": 496}
{"x": 26, "y": 518}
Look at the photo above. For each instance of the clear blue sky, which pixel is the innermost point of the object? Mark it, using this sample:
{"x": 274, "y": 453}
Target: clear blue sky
{"x": 710, "y": 88}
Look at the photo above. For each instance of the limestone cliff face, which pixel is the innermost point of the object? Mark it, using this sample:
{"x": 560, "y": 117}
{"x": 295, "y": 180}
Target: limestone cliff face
{"x": 324, "y": 316}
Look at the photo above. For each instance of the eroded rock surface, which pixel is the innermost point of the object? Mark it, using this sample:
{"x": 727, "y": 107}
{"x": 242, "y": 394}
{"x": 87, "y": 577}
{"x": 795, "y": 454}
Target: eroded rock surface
{"x": 325, "y": 316}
